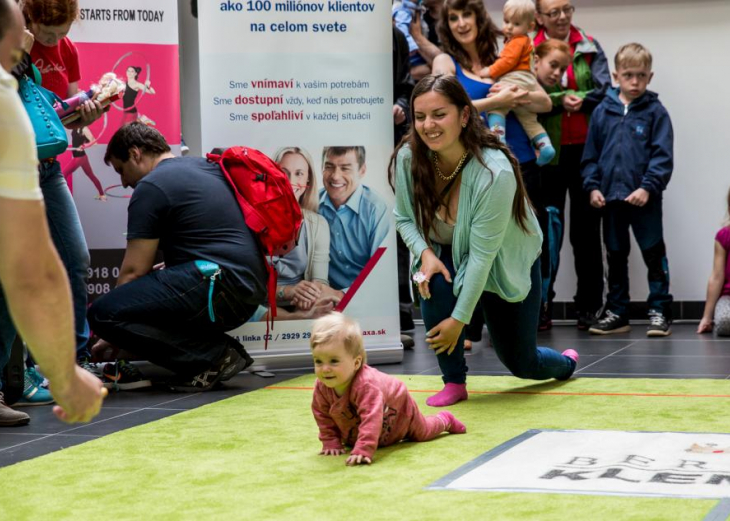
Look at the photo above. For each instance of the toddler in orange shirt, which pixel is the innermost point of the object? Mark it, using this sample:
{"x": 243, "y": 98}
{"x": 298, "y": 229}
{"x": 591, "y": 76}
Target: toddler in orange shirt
{"x": 514, "y": 67}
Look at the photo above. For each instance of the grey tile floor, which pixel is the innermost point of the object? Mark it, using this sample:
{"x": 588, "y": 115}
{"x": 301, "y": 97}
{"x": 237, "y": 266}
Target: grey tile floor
{"x": 632, "y": 355}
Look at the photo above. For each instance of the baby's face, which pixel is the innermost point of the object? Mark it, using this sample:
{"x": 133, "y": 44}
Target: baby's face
{"x": 516, "y": 25}
{"x": 334, "y": 366}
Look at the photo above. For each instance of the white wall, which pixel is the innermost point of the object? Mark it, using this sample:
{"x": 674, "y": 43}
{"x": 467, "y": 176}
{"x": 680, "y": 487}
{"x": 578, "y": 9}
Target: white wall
{"x": 690, "y": 41}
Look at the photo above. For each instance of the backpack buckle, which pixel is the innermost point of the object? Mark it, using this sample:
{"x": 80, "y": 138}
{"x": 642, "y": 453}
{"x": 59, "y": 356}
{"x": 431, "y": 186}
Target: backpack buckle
{"x": 261, "y": 177}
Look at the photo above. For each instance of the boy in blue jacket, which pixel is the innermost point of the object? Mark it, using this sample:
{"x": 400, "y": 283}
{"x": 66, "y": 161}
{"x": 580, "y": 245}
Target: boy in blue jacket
{"x": 627, "y": 163}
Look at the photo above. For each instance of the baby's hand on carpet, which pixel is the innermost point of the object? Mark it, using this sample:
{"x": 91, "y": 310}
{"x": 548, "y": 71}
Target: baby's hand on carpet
{"x": 358, "y": 459}
{"x": 332, "y": 452}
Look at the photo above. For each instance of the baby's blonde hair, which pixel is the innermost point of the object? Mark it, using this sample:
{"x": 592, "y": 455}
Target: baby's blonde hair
{"x": 633, "y": 54}
{"x": 337, "y": 327}
{"x": 522, "y": 9}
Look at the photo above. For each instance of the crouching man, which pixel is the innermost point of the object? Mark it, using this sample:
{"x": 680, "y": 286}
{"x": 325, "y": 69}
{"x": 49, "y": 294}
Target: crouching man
{"x": 213, "y": 277}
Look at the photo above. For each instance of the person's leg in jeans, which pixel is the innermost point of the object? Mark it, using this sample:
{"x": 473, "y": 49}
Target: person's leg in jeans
{"x": 555, "y": 188}
{"x": 513, "y": 329}
{"x": 585, "y": 237}
{"x": 646, "y": 223}
{"x": 7, "y": 332}
{"x": 405, "y": 302}
{"x": 68, "y": 238}
{"x": 439, "y": 307}
{"x": 616, "y": 221}
{"x": 163, "y": 317}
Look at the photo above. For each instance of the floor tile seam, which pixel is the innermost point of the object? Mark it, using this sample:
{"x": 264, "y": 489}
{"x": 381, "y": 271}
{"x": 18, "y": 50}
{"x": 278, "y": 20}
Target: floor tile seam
{"x": 98, "y": 422}
{"x": 582, "y": 369}
{"x": 636, "y": 375}
{"x": 48, "y": 434}
{"x": 4, "y": 449}
{"x": 646, "y": 355}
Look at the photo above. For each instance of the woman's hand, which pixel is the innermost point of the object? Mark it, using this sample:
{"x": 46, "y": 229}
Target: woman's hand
{"x": 705, "y": 325}
{"x": 430, "y": 266}
{"x": 28, "y": 40}
{"x": 89, "y": 112}
{"x": 572, "y": 103}
{"x": 399, "y": 116}
{"x": 509, "y": 97}
{"x": 303, "y": 294}
{"x": 444, "y": 336}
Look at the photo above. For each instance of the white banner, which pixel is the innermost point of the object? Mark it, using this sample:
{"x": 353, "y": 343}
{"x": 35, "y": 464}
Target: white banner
{"x": 665, "y": 464}
{"x": 314, "y": 76}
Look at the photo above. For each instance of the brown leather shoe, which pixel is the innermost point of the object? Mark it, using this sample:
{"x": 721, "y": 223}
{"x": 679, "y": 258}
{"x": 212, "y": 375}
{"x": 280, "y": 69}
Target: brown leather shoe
{"x": 10, "y": 417}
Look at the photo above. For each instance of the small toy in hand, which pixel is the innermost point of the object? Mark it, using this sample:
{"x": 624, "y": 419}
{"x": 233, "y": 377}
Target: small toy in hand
{"x": 108, "y": 90}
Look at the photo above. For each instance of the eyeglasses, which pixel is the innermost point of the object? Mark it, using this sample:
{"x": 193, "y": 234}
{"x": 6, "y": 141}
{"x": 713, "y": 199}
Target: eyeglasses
{"x": 568, "y": 11}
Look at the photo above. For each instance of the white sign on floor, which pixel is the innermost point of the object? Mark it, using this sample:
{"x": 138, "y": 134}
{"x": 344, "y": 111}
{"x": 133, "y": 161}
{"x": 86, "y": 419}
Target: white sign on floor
{"x": 664, "y": 464}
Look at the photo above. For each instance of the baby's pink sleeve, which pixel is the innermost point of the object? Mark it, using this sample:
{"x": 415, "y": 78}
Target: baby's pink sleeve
{"x": 369, "y": 402}
{"x": 329, "y": 433}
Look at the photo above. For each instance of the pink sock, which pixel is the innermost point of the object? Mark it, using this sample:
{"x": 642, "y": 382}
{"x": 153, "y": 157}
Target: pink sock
{"x": 572, "y": 354}
{"x": 449, "y": 395}
{"x": 453, "y": 426}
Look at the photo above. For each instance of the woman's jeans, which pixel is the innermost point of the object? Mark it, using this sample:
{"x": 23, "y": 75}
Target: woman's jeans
{"x": 512, "y": 328}
{"x": 164, "y": 318}
{"x": 69, "y": 240}
{"x": 68, "y": 237}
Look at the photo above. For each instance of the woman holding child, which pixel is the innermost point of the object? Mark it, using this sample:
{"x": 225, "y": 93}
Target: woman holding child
{"x": 462, "y": 210}
{"x": 574, "y": 97}
{"x": 469, "y": 37}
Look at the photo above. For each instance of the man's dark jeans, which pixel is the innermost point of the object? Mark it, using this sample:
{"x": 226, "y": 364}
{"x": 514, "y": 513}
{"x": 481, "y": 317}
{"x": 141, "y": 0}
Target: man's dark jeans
{"x": 164, "y": 318}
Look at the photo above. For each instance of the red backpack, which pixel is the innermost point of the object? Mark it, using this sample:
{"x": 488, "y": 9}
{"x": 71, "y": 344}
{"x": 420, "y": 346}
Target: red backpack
{"x": 271, "y": 210}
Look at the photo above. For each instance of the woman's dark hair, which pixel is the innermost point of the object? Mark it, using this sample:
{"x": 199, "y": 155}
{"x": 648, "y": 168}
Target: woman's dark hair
{"x": 474, "y": 137}
{"x": 136, "y": 70}
{"x": 487, "y": 33}
{"x": 50, "y": 12}
{"x": 135, "y": 134}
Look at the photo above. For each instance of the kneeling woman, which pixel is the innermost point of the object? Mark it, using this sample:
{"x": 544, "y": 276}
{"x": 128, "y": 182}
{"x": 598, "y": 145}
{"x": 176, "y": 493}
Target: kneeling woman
{"x": 462, "y": 210}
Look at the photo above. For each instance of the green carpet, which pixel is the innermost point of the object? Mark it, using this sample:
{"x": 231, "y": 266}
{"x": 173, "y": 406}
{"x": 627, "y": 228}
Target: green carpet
{"x": 255, "y": 457}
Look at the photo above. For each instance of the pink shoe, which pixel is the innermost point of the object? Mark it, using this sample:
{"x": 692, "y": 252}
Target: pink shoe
{"x": 572, "y": 354}
{"x": 453, "y": 426}
{"x": 449, "y": 395}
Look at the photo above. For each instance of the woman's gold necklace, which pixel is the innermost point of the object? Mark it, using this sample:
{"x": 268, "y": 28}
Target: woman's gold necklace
{"x": 435, "y": 159}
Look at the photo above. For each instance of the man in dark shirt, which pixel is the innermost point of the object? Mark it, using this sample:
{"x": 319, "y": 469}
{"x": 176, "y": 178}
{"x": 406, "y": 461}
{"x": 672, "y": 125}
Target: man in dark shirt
{"x": 184, "y": 207}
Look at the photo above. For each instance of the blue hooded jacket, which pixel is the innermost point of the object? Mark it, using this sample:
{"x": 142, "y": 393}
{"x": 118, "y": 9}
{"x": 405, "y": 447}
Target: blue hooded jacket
{"x": 628, "y": 148}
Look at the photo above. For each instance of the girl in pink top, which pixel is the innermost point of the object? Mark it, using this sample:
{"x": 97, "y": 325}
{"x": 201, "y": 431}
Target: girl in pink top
{"x": 357, "y": 405}
{"x": 717, "y": 305}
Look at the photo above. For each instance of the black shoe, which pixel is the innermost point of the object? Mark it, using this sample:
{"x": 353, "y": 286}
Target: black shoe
{"x": 658, "y": 324}
{"x": 610, "y": 324}
{"x": 586, "y": 321}
{"x": 123, "y": 376}
{"x": 226, "y": 367}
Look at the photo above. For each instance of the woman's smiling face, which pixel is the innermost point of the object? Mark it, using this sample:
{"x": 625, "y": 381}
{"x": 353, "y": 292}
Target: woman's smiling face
{"x": 463, "y": 26}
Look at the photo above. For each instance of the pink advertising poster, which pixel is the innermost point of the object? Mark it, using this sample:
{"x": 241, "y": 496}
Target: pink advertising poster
{"x": 134, "y": 51}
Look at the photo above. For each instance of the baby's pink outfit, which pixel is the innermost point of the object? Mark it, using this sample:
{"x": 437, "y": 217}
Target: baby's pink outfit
{"x": 376, "y": 411}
